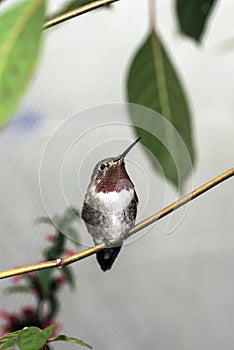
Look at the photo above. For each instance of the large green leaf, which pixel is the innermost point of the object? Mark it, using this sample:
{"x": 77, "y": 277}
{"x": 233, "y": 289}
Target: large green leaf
{"x": 153, "y": 82}
{"x": 20, "y": 33}
{"x": 32, "y": 338}
{"x": 193, "y": 16}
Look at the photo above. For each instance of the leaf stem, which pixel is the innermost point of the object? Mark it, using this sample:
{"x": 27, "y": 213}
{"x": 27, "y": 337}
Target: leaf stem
{"x": 150, "y": 220}
{"x": 152, "y": 15}
{"x": 77, "y": 12}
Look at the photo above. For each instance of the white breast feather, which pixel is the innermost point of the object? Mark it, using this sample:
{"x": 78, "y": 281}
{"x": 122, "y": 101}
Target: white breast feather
{"x": 113, "y": 203}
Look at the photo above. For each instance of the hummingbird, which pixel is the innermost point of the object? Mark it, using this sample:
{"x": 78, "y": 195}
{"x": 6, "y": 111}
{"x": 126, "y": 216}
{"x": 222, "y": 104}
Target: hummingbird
{"x": 110, "y": 206}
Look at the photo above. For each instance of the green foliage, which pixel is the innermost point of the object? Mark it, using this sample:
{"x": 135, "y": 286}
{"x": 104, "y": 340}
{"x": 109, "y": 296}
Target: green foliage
{"x": 46, "y": 283}
{"x": 64, "y": 226}
{"x": 9, "y": 344}
{"x": 33, "y": 338}
{"x": 153, "y": 82}
{"x": 29, "y": 338}
{"x": 193, "y": 16}
{"x": 71, "y": 340}
{"x": 68, "y": 275}
{"x": 54, "y": 305}
{"x": 18, "y": 289}
{"x": 9, "y": 341}
{"x": 20, "y": 34}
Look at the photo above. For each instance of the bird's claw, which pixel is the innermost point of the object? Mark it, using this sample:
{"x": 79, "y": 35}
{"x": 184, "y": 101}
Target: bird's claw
{"x": 126, "y": 235}
{"x": 107, "y": 243}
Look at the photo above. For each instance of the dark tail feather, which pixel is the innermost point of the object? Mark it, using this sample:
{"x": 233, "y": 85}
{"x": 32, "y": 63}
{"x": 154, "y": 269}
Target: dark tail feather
{"x": 107, "y": 256}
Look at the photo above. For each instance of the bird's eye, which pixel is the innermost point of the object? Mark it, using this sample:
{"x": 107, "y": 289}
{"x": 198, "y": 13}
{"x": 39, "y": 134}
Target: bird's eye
{"x": 102, "y": 166}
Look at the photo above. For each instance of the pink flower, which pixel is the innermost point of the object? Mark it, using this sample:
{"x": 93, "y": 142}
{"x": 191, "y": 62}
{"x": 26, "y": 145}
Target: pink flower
{"x": 17, "y": 279}
{"x": 31, "y": 274}
{"x": 28, "y": 311}
{"x": 49, "y": 238}
{"x": 10, "y": 319}
{"x": 8, "y": 316}
{"x": 27, "y": 317}
{"x": 69, "y": 251}
{"x": 59, "y": 280}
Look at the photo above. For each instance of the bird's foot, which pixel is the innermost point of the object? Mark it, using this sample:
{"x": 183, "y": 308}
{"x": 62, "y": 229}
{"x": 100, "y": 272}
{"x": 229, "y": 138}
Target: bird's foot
{"x": 107, "y": 243}
{"x": 126, "y": 235}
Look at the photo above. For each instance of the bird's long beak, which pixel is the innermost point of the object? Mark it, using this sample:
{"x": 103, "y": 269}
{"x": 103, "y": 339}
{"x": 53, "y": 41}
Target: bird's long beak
{"x": 123, "y": 155}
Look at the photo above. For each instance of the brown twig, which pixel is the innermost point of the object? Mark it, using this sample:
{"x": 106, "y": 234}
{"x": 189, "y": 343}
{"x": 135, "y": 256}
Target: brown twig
{"x": 155, "y": 217}
{"x": 77, "y": 12}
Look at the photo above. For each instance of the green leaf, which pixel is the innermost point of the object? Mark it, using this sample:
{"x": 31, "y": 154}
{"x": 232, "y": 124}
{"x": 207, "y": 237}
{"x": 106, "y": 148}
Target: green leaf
{"x": 71, "y": 214}
{"x": 9, "y": 341}
{"x": 71, "y": 340}
{"x": 153, "y": 82}
{"x": 18, "y": 289}
{"x": 193, "y": 16}
{"x": 58, "y": 245}
{"x": 54, "y": 221}
{"x": 20, "y": 33}
{"x": 44, "y": 281}
{"x": 67, "y": 272}
{"x": 73, "y": 235}
{"x": 12, "y": 335}
{"x": 44, "y": 220}
{"x": 75, "y": 211}
{"x": 9, "y": 344}
{"x": 32, "y": 338}
{"x": 56, "y": 249}
{"x": 54, "y": 306}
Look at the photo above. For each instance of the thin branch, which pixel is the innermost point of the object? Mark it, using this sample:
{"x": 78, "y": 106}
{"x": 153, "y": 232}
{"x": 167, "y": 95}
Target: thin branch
{"x": 77, "y": 12}
{"x": 85, "y": 253}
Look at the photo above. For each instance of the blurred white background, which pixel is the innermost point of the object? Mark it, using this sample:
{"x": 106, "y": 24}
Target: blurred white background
{"x": 165, "y": 291}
